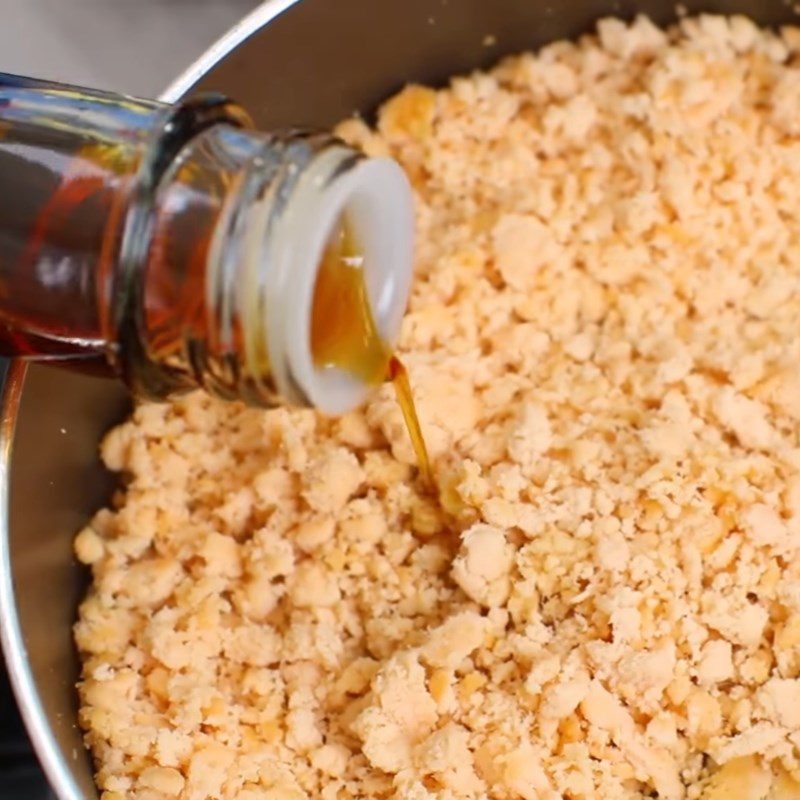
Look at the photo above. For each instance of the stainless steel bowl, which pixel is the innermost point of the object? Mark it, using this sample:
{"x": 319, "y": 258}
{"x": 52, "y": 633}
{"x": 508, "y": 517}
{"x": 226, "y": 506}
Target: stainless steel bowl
{"x": 306, "y": 62}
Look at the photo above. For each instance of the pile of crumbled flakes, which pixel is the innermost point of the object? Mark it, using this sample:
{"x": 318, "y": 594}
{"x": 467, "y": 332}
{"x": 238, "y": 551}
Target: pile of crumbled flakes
{"x": 604, "y": 340}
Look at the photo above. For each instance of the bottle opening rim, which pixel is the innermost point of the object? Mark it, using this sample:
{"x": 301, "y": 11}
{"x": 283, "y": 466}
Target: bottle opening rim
{"x": 376, "y": 197}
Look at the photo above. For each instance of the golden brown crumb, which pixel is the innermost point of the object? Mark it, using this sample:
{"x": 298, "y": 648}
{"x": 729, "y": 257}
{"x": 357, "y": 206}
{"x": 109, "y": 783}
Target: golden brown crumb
{"x": 603, "y": 340}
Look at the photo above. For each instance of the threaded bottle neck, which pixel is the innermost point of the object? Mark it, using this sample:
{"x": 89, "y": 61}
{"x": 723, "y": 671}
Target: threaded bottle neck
{"x": 239, "y": 225}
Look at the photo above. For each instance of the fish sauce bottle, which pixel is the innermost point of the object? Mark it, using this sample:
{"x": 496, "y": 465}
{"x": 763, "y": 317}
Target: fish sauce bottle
{"x": 176, "y": 247}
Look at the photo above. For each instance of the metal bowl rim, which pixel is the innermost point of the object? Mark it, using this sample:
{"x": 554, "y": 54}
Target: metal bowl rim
{"x": 12, "y": 643}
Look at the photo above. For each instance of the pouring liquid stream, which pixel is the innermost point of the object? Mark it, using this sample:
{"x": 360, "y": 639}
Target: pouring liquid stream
{"x": 344, "y": 334}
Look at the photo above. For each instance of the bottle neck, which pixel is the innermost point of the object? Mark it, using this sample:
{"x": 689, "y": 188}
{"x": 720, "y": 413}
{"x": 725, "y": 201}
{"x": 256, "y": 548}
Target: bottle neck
{"x": 239, "y": 226}
{"x": 157, "y": 311}
{"x": 196, "y": 310}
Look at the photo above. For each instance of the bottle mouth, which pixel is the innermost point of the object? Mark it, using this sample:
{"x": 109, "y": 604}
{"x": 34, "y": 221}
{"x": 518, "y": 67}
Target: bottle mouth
{"x": 374, "y": 196}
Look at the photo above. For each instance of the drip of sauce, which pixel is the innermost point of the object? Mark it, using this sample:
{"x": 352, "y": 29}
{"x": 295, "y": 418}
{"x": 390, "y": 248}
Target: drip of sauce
{"x": 398, "y": 375}
{"x": 344, "y": 334}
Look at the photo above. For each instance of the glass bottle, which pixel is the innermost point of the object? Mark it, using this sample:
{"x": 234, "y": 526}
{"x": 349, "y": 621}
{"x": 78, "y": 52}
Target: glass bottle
{"x": 176, "y": 247}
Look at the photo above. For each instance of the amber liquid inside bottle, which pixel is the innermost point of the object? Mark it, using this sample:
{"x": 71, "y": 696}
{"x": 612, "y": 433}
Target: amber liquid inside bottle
{"x": 344, "y": 334}
{"x": 70, "y": 159}
{"x": 66, "y": 161}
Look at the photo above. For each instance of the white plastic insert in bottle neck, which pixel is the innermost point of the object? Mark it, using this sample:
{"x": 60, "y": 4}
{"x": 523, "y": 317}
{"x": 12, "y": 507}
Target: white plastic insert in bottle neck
{"x": 376, "y": 198}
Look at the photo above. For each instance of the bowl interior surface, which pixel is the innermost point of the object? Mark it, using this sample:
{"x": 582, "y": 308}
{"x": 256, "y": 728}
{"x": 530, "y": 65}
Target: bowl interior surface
{"x": 317, "y": 62}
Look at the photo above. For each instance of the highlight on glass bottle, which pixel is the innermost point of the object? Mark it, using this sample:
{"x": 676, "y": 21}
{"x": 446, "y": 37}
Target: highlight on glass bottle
{"x": 177, "y": 247}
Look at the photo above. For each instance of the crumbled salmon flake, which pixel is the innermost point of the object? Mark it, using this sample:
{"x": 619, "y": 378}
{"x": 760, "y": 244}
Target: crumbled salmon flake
{"x": 604, "y": 600}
